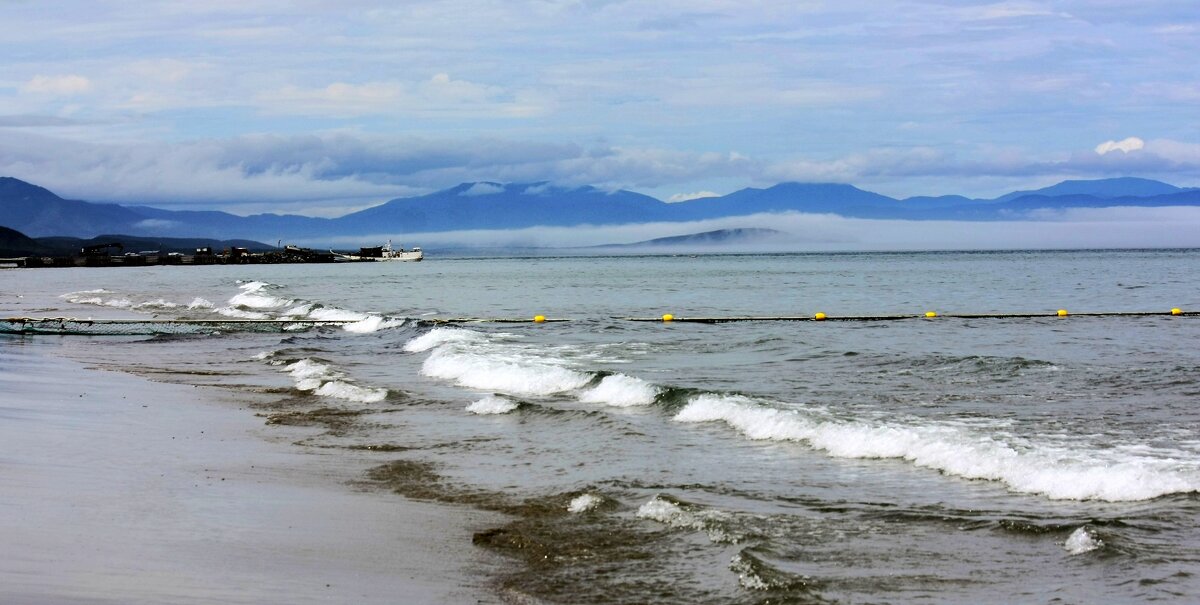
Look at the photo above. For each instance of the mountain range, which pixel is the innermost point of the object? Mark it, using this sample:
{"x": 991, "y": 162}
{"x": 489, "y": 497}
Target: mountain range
{"x": 36, "y": 211}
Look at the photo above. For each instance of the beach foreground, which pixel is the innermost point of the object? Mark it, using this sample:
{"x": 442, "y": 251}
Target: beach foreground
{"x": 116, "y": 489}
{"x": 944, "y": 459}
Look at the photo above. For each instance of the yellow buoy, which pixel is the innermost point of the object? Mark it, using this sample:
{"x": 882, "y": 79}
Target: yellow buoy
{"x": 1062, "y": 312}
{"x": 819, "y": 316}
{"x": 668, "y": 317}
{"x": 930, "y": 314}
{"x": 1176, "y": 311}
{"x": 537, "y": 319}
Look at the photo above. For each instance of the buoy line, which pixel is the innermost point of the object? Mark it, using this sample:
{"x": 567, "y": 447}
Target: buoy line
{"x": 669, "y": 318}
{"x": 154, "y": 326}
{"x": 74, "y": 325}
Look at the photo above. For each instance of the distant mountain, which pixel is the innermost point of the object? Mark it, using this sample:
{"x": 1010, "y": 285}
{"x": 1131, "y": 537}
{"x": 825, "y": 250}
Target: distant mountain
{"x": 720, "y": 237}
{"x": 1123, "y": 187}
{"x": 13, "y": 243}
{"x": 487, "y": 205}
{"x": 210, "y": 223}
{"x": 35, "y": 211}
{"x": 799, "y": 197}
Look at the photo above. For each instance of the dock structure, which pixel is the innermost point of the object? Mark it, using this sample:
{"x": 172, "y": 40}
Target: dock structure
{"x": 99, "y": 256}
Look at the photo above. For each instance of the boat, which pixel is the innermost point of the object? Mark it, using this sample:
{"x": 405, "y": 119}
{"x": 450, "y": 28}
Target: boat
{"x": 379, "y": 254}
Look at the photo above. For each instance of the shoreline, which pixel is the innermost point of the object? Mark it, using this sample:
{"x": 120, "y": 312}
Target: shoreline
{"x": 119, "y": 489}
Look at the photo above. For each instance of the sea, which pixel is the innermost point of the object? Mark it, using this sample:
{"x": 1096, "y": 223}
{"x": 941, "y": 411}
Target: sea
{"x": 924, "y": 459}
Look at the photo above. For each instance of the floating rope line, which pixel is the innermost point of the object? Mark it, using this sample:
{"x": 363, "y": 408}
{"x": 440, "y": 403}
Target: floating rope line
{"x": 133, "y": 327}
{"x": 927, "y": 315}
{"x": 139, "y": 327}
{"x": 482, "y": 320}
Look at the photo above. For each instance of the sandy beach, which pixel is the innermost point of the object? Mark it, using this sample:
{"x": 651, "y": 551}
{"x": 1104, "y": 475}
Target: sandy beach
{"x": 117, "y": 489}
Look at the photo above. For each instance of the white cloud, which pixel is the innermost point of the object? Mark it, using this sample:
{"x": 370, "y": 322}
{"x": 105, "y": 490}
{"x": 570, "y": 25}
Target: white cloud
{"x": 1124, "y": 145}
{"x": 337, "y": 99}
{"x": 67, "y": 85}
{"x": 155, "y": 223}
{"x": 1175, "y": 151}
{"x": 1009, "y": 10}
{"x": 328, "y": 174}
{"x": 482, "y": 189}
{"x": 1078, "y": 229}
{"x": 436, "y": 96}
{"x": 683, "y": 197}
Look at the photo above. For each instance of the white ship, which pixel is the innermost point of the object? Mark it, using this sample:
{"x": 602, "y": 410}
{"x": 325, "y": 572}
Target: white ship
{"x": 379, "y": 253}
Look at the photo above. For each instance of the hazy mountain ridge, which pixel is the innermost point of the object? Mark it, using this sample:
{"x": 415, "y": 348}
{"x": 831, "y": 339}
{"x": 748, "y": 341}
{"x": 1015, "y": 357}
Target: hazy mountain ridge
{"x": 718, "y": 237}
{"x": 14, "y": 243}
{"x": 36, "y": 211}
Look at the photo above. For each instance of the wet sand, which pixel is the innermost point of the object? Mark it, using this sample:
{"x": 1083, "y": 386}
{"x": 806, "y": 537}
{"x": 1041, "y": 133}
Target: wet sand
{"x": 116, "y": 489}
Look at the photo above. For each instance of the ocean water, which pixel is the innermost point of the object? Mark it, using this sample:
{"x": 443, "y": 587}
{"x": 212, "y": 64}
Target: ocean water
{"x": 941, "y": 460}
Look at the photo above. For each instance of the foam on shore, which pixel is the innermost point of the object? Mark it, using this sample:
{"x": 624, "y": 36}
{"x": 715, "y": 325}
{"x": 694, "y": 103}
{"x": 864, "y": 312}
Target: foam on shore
{"x": 323, "y": 380}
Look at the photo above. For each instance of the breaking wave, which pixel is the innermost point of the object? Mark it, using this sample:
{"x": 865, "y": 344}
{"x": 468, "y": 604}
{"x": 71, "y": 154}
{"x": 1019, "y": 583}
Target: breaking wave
{"x": 1082, "y": 540}
{"x": 680, "y": 515}
{"x": 1046, "y": 469}
{"x": 323, "y": 380}
{"x": 514, "y": 375}
{"x": 492, "y": 405}
{"x": 584, "y": 503}
{"x": 620, "y": 390}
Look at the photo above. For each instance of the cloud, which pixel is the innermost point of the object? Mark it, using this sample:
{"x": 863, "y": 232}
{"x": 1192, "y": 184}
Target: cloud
{"x": 1072, "y": 229}
{"x": 1010, "y": 10}
{"x": 332, "y": 173}
{"x": 156, "y": 223}
{"x": 439, "y": 95}
{"x": 67, "y": 85}
{"x": 683, "y": 197}
{"x": 482, "y": 189}
{"x": 36, "y": 121}
{"x": 1124, "y": 145}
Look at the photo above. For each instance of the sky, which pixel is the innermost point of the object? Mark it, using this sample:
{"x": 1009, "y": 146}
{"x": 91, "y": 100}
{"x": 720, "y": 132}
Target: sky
{"x": 321, "y": 107}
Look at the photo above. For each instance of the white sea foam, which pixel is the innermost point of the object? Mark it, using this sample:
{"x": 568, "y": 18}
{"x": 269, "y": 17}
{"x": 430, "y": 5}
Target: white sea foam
{"x": 94, "y": 297}
{"x": 351, "y": 392}
{"x": 584, "y": 503}
{"x": 620, "y": 390}
{"x": 300, "y": 310}
{"x": 747, "y": 576}
{"x": 1035, "y": 468}
{"x": 669, "y": 513}
{"x": 514, "y": 374}
{"x": 1082, "y": 541}
{"x": 263, "y": 356}
{"x": 254, "y": 297}
{"x": 158, "y": 303}
{"x": 307, "y": 368}
{"x": 440, "y": 336}
{"x": 336, "y": 314}
{"x": 242, "y": 314}
{"x": 373, "y": 323}
{"x": 200, "y": 303}
{"x": 323, "y": 380}
{"x": 492, "y": 405}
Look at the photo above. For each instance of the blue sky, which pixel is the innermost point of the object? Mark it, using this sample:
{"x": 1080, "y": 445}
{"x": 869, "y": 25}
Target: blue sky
{"x": 321, "y": 107}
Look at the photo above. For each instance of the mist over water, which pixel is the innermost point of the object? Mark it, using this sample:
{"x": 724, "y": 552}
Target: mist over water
{"x": 947, "y": 460}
